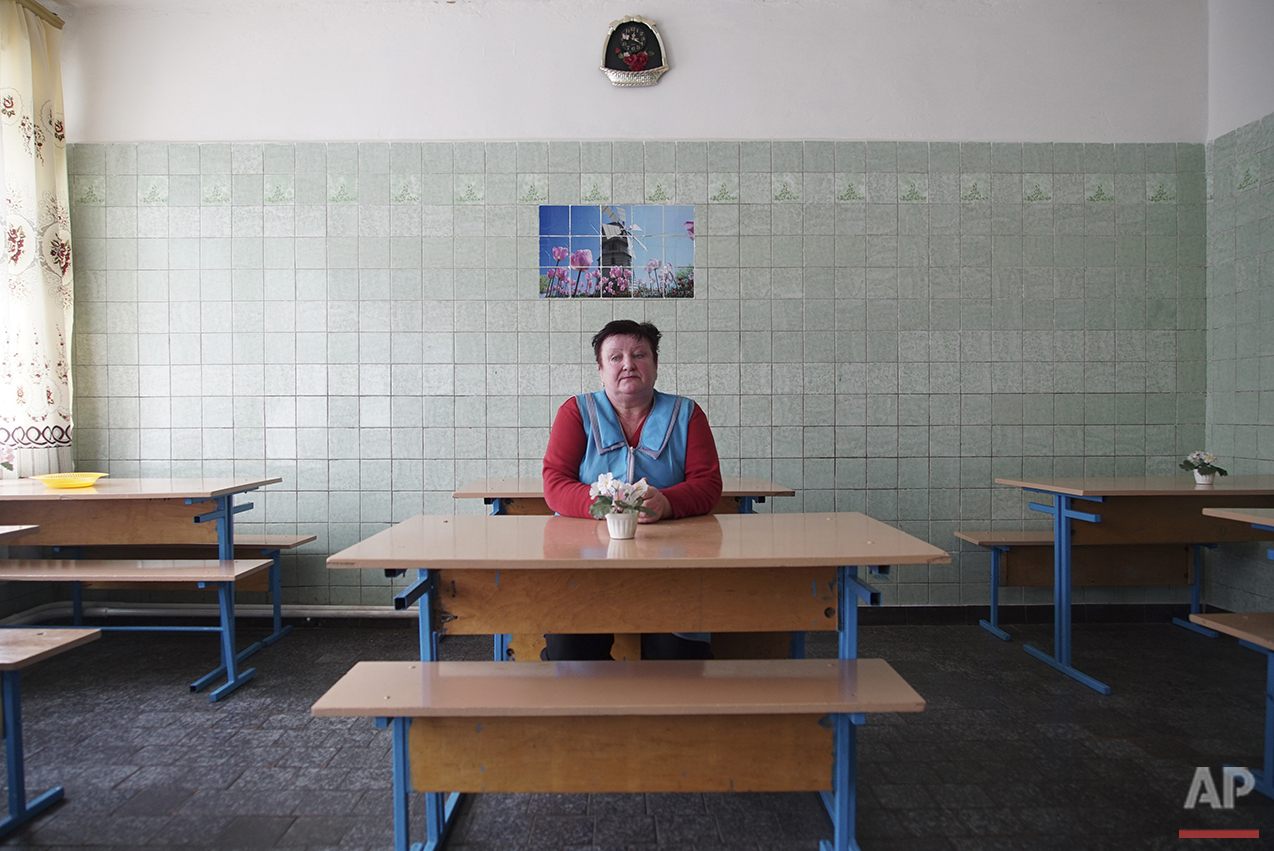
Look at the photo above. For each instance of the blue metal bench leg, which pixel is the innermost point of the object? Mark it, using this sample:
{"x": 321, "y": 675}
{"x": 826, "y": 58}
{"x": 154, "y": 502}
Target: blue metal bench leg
{"x": 276, "y": 596}
{"x": 439, "y": 806}
{"x": 1196, "y": 595}
{"x": 20, "y": 810}
{"x": 229, "y": 660}
{"x": 993, "y": 625}
{"x": 842, "y": 801}
{"x": 402, "y": 808}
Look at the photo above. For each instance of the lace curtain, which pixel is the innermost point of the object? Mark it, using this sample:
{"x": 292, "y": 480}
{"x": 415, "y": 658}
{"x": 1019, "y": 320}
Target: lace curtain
{"x": 36, "y": 297}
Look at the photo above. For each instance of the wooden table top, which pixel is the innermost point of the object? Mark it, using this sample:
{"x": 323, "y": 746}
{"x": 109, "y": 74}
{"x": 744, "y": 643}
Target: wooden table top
{"x": 20, "y": 647}
{"x": 680, "y": 687}
{"x": 8, "y": 532}
{"x": 487, "y": 542}
{"x": 1183, "y": 485}
{"x": 1254, "y": 516}
{"x": 533, "y": 488}
{"x": 111, "y": 488}
{"x": 129, "y": 570}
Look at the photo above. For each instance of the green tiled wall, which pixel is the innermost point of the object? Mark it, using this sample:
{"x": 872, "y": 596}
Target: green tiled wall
{"x": 1240, "y": 421}
{"x": 883, "y": 326}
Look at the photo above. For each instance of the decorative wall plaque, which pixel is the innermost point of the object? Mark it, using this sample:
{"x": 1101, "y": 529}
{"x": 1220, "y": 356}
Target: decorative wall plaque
{"x": 634, "y": 53}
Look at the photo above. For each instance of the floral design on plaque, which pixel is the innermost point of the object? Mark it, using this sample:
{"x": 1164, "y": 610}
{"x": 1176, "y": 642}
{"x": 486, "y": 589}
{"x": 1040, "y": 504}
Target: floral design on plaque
{"x": 633, "y": 54}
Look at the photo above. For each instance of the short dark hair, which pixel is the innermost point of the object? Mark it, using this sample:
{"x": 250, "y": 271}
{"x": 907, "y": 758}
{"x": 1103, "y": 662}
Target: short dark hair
{"x": 627, "y": 328}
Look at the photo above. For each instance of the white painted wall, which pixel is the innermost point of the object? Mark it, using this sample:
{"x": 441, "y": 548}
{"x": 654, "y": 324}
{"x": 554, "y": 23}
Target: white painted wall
{"x": 1240, "y": 63}
{"x": 1003, "y": 70}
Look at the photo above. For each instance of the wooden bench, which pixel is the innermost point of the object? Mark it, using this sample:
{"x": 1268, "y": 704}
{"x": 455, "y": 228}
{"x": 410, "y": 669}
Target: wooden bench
{"x": 1025, "y": 559}
{"x": 223, "y": 575}
{"x": 20, "y": 648}
{"x": 652, "y": 726}
{"x": 1254, "y": 630}
{"x": 246, "y": 546}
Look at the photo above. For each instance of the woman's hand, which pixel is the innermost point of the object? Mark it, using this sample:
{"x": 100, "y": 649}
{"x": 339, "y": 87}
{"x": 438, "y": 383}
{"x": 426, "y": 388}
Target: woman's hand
{"x": 657, "y": 503}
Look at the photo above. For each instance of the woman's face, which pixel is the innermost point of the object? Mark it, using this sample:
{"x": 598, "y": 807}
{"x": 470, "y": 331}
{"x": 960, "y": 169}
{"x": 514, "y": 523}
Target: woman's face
{"x": 628, "y": 369}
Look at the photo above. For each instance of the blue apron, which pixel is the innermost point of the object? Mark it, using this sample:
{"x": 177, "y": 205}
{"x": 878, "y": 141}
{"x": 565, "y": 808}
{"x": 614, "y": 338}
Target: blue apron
{"x": 660, "y": 455}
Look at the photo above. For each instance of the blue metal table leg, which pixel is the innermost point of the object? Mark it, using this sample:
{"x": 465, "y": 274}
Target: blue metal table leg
{"x": 1196, "y": 594}
{"x": 229, "y": 659}
{"x": 500, "y": 646}
{"x": 20, "y": 810}
{"x": 1063, "y": 512}
{"x": 993, "y": 625}
{"x": 223, "y": 515}
{"x": 848, "y": 638}
{"x": 500, "y": 643}
{"x": 276, "y": 591}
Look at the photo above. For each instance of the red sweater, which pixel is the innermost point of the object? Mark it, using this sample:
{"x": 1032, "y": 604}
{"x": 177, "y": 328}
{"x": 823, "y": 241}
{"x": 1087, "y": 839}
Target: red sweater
{"x": 566, "y": 495}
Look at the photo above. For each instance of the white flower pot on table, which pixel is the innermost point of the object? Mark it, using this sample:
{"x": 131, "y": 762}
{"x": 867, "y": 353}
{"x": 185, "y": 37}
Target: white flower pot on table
{"x": 622, "y": 526}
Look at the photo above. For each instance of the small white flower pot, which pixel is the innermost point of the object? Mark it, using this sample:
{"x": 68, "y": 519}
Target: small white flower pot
{"x": 1203, "y": 478}
{"x": 622, "y": 526}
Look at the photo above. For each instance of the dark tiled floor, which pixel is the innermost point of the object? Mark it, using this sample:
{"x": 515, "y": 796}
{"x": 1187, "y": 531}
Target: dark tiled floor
{"x": 1008, "y": 755}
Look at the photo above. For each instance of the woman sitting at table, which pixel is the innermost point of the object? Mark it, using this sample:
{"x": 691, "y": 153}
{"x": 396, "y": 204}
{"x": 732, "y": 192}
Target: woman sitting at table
{"x": 630, "y": 429}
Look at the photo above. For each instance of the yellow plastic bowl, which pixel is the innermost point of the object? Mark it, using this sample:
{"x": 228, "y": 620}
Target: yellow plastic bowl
{"x": 70, "y": 480}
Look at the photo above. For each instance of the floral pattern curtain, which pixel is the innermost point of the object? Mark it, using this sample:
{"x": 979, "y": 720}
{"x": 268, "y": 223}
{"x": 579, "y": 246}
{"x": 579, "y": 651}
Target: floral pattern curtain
{"x": 36, "y": 297}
